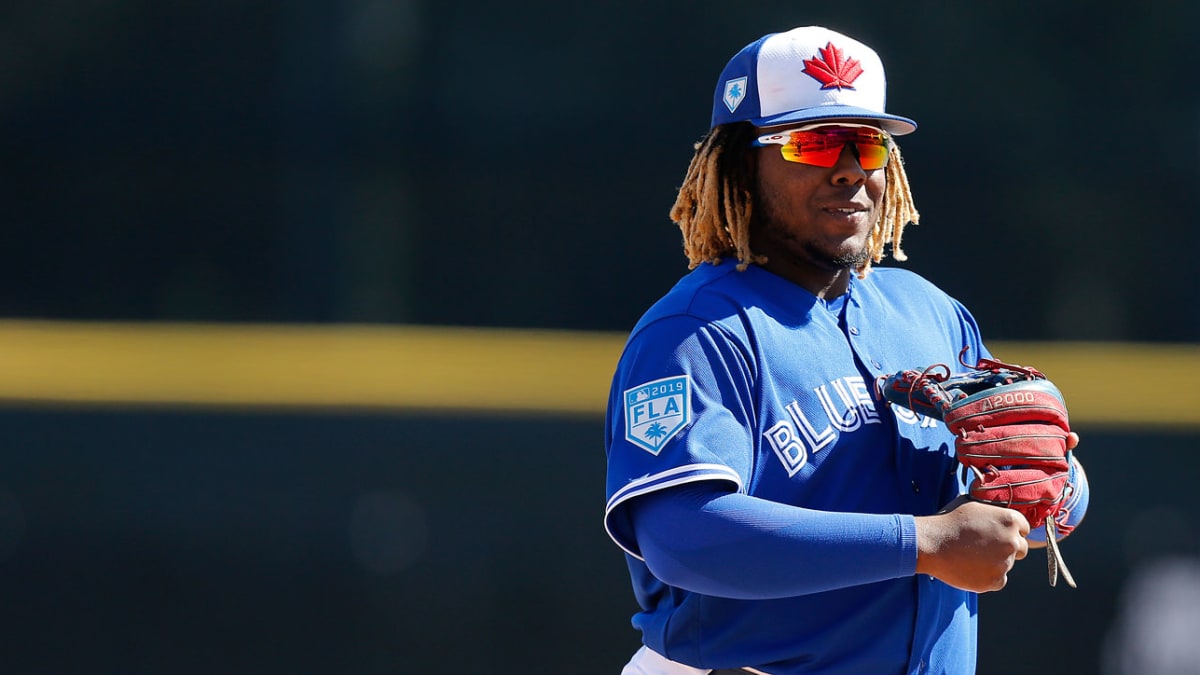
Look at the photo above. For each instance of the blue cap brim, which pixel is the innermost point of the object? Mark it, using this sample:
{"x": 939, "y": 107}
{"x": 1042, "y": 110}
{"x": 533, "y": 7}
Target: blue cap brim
{"x": 893, "y": 124}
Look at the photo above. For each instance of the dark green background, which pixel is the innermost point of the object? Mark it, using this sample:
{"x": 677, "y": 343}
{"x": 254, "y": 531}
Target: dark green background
{"x": 171, "y": 542}
{"x": 513, "y": 163}
{"x": 501, "y": 164}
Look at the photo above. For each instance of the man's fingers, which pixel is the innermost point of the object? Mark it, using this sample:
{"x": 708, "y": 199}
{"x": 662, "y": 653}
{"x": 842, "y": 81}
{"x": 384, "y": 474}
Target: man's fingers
{"x": 1022, "y": 549}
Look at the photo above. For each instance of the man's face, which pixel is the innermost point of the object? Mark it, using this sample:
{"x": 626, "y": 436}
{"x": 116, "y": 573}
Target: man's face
{"x": 811, "y": 221}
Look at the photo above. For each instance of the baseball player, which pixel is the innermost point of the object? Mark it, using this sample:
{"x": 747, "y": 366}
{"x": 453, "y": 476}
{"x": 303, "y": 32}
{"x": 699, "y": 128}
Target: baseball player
{"x": 777, "y": 516}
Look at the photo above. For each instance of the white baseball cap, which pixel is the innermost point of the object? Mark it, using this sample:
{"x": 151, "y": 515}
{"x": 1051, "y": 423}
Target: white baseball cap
{"x": 805, "y": 74}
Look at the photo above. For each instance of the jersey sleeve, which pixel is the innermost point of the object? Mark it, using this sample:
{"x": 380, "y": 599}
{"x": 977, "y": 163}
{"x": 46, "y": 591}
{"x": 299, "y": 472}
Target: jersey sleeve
{"x": 681, "y": 410}
{"x": 703, "y": 540}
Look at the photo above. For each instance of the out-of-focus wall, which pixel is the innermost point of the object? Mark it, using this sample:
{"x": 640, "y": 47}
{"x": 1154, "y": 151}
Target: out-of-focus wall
{"x": 329, "y": 499}
{"x": 497, "y": 165}
{"x": 196, "y": 542}
{"x": 507, "y": 164}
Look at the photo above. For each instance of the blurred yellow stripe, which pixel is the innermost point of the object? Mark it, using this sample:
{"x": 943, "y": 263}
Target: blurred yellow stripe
{"x": 309, "y": 366}
{"x": 470, "y": 369}
{"x": 1118, "y": 384}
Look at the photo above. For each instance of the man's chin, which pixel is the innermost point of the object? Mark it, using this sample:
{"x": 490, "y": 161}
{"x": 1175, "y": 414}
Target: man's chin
{"x": 849, "y": 260}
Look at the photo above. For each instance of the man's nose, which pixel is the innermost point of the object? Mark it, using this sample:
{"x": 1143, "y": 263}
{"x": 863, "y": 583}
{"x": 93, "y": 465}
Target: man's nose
{"x": 848, "y": 171}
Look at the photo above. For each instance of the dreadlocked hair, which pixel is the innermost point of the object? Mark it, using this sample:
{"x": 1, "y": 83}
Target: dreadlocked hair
{"x": 714, "y": 206}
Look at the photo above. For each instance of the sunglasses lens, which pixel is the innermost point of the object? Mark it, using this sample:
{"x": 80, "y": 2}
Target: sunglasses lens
{"x": 872, "y": 155}
{"x": 823, "y": 147}
{"x": 814, "y": 149}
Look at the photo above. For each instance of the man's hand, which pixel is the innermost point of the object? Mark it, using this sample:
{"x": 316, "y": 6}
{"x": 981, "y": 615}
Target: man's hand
{"x": 971, "y": 545}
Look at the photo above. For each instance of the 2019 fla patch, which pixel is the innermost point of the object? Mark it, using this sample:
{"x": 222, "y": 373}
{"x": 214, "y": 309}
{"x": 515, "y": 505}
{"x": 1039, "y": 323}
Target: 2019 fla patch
{"x": 656, "y": 411}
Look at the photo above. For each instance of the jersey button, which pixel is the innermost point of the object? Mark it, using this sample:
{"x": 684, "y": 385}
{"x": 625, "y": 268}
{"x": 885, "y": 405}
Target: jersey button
{"x": 853, "y": 330}
{"x": 915, "y": 487}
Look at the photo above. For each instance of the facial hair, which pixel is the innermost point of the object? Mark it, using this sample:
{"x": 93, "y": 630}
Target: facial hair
{"x": 847, "y": 261}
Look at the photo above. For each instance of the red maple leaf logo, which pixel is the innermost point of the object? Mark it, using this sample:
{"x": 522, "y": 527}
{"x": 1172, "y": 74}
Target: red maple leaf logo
{"x": 833, "y": 69}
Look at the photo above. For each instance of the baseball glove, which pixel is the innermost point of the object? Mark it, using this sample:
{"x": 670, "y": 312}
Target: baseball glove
{"x": 1010, "y": 426}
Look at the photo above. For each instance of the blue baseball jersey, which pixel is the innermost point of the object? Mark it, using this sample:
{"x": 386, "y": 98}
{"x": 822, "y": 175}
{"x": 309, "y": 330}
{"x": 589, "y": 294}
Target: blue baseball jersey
{"x": 749, "y": 380}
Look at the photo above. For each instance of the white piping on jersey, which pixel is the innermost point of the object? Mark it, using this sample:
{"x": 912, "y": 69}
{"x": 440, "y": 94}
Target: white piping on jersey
{"x": 679, "y": 475}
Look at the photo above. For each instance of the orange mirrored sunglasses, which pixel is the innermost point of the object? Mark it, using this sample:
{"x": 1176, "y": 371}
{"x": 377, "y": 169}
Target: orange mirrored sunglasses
{"x": 821, "y": 144}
